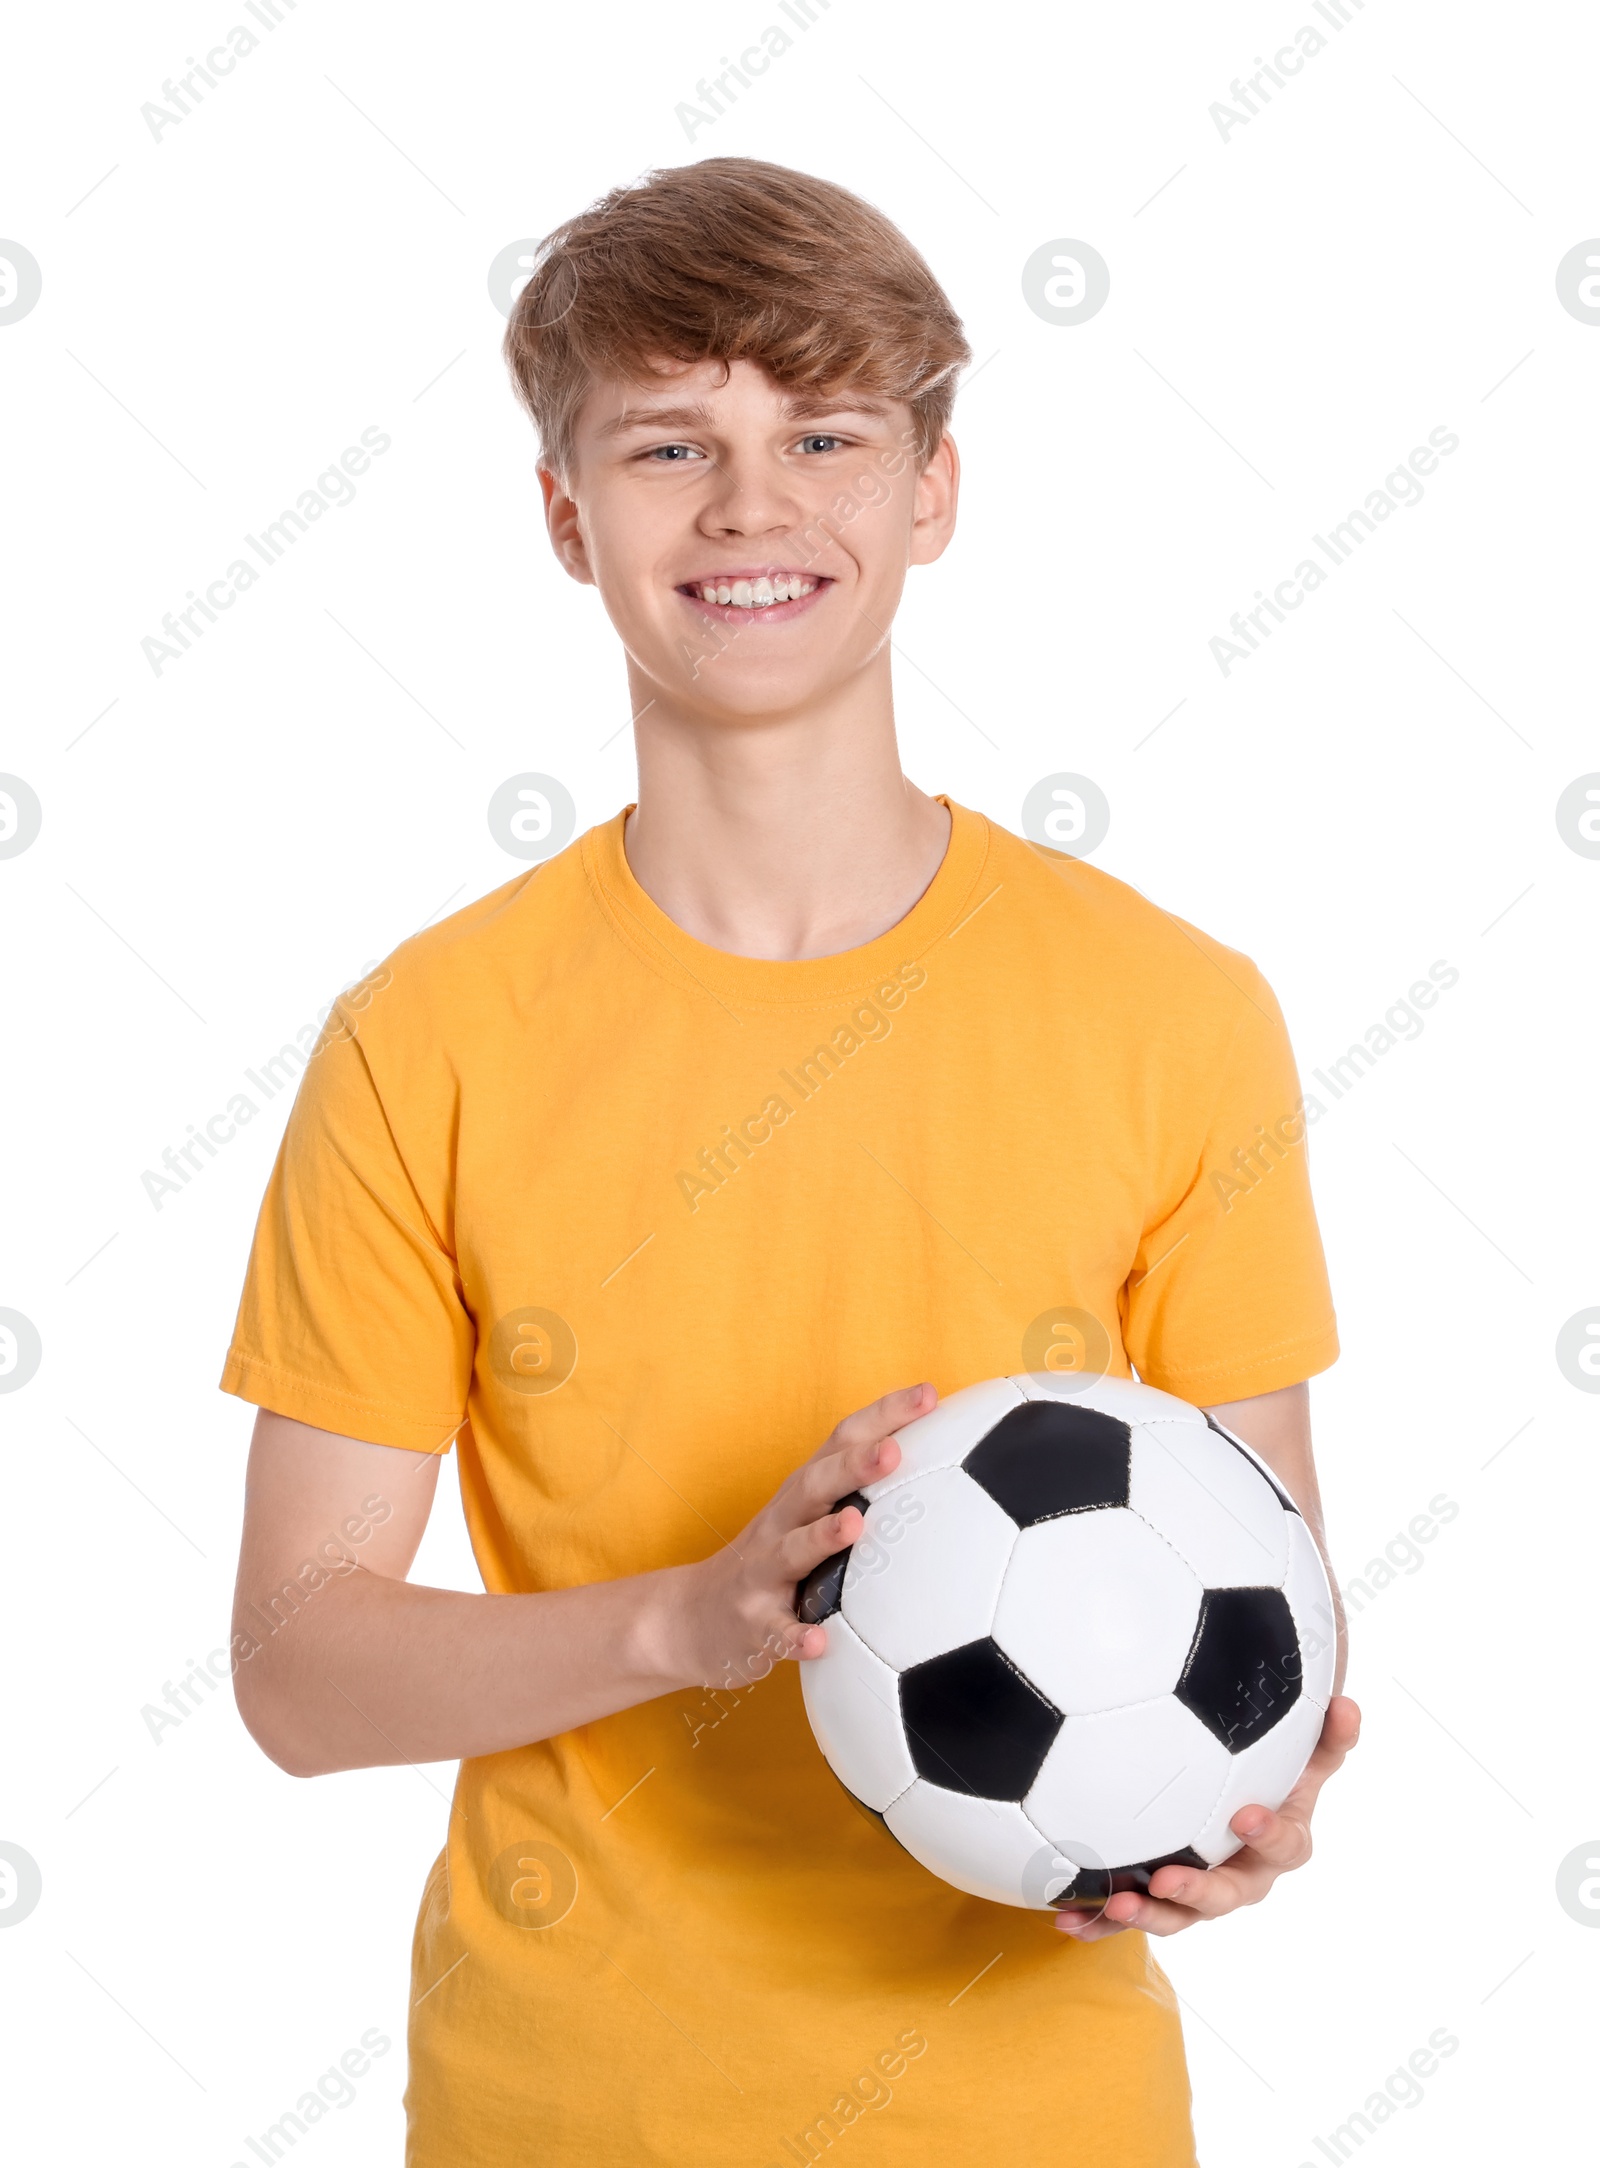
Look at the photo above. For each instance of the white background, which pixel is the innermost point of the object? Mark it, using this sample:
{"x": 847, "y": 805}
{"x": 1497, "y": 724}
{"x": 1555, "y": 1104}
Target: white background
{"x": 225, "y": 845}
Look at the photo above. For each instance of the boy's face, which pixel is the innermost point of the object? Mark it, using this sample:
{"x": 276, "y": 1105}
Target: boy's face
{"x": 714, "y": 479}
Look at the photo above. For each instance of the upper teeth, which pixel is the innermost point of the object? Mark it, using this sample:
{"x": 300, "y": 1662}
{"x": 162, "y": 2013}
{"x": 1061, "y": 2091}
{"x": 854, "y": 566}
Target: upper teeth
{"x": 756, "y": 594}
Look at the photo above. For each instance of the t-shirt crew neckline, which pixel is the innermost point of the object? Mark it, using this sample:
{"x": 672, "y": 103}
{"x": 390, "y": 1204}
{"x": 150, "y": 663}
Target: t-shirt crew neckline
{"x": 767, "y": 981}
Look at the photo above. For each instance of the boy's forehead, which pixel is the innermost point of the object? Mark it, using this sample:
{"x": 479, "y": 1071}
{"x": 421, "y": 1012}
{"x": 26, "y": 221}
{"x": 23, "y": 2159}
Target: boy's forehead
{"x": 681, "y": 392}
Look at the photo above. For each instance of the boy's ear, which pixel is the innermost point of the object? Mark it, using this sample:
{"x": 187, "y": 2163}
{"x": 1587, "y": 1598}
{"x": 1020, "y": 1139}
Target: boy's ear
{"x": 562, "y": 523}
{"x": 933, "y": 521}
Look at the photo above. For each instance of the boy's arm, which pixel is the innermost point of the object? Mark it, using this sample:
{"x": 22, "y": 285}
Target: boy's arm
{"x": 345, "y": 1665}
{"x": 1278, "y": 1427}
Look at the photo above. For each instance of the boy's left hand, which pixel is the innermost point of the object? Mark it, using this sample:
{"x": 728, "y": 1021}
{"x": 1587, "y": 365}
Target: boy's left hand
{"x": 1179, "y": 1896}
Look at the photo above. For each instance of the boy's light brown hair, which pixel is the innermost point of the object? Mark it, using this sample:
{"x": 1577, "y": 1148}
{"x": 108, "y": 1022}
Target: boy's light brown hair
{"x": 733, "y": 259}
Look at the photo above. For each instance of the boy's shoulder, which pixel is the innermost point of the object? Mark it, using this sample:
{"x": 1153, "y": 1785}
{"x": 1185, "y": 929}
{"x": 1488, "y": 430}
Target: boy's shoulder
{"x": 501, "y": 945}
{"x": 1096, "y": 914}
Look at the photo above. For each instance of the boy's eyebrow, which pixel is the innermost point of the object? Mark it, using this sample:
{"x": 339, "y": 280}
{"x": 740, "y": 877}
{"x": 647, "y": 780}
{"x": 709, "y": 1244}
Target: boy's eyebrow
{"x": 663, "y": 417}
{"x": 798, "y": 406}
{"x": 802, "y": 403}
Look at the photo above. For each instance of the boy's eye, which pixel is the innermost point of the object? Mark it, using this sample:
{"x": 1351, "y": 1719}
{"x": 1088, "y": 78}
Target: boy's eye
{"x": 672, "y": 454}
{"x": 820, "y": 443}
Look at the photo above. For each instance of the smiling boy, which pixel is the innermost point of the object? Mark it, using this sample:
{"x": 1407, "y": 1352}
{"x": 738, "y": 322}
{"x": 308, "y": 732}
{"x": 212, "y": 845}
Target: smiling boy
{"x": 787, "y": 1084}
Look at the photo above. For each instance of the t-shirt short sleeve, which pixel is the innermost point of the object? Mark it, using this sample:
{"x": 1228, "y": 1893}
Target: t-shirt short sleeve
{"x": 351, "y": 1317}
{"x": 1229, "y": 1293}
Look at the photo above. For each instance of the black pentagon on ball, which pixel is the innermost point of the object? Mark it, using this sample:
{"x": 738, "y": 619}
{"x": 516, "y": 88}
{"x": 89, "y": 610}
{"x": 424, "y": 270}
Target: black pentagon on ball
{"x": 819, "y": 1595}
{"x": 974, "y": 1724}
{"x": 1053, "y": 1457}
{"x": 1264, "y": 1472}
{"x": 1242, "y": 1673}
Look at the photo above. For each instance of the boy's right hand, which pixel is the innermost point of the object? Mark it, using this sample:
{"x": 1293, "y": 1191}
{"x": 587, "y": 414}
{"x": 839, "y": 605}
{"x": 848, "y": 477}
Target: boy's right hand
{"x": 733, "y": 1614}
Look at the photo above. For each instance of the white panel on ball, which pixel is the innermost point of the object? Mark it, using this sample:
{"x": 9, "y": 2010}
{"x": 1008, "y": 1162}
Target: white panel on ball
{"x": 853, "y": 1701}
{"x": 925, "y": 1575}
{"x": 983, "y": 1846}
{"x": 1097, "y": 1610}
{"x": 1262, "y": 1776}
{"x": 1124, "y": 1397}
{"x": 1128, "y": 1785}
{"x": 1211, "y": 1505}
{"x": 945, "y": 1437}
{"x": 1311, "y": 1604}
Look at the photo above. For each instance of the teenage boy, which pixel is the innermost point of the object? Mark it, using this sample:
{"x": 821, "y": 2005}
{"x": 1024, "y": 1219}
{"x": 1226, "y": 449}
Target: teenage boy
{"x": 786, "y": 1085}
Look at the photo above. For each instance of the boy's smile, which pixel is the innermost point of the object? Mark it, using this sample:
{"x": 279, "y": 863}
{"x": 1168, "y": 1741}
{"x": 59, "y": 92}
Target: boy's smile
{"x": 774, "y": 593}
{"x": 750, "y": 542}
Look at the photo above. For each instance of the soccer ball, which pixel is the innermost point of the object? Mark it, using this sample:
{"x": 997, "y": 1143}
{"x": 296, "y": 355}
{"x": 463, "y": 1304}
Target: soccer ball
{"x": 1083, "y": 1626}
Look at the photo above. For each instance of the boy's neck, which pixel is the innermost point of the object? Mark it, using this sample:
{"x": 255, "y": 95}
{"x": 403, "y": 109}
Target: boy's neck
{"x": 781, "y": 838}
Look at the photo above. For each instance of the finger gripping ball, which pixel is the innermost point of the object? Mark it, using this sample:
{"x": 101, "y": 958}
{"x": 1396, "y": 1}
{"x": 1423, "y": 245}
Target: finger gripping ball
{"x": 1082, "y": 1627}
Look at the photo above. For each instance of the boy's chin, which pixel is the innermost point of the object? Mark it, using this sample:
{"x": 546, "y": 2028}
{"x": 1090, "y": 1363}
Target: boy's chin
{"x": 760, "y": 697}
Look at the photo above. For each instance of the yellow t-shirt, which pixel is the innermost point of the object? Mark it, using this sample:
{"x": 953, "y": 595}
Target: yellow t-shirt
{"x": 636, "y": 1221}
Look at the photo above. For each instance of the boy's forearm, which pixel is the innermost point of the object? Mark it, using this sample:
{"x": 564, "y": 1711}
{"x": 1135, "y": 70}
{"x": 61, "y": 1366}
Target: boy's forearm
{"x": 374, "y": 1670}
